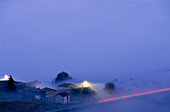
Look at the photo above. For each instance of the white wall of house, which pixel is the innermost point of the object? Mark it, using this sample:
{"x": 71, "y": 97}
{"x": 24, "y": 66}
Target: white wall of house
{"x": 62, "y": 100}
{"x": 65, "y": 100}
{"x": 37, "y": 97}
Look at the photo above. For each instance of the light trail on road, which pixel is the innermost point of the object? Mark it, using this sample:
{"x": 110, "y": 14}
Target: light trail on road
{"x": 132, "y": 95}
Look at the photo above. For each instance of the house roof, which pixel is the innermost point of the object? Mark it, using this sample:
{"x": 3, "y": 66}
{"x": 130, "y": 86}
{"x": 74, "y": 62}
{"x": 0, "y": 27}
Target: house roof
{"x": 83, "y": 91}
{"x": 68, "y": 85}
{"x": 27, "y": 88}
{"x": 47, "y": 89}
{"x": 5, "y": 83}
{"x": 35, "y": 84}
{"x": 35, "y": 81}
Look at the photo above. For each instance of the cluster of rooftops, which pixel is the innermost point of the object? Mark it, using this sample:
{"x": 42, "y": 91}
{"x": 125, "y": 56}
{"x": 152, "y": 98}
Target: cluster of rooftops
{"x": 66, "y": 92}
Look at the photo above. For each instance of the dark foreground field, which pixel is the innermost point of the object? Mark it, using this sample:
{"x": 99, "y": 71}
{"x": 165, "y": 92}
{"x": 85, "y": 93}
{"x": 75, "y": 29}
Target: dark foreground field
{"x": 27, "y": 106}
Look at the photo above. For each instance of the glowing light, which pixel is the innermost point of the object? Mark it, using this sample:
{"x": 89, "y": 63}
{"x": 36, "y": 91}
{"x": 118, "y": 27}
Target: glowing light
{"x": 132, "y": 95}
{"x": 86, "y": 84}
{"x": 6, "y": 77}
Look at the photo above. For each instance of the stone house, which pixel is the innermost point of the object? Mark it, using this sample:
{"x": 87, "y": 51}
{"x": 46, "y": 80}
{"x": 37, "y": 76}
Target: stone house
{"x": 62, "y": 98}
{"x": 48, "y": 92}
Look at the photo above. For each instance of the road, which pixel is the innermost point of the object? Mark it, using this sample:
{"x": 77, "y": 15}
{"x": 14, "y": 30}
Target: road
{"x": 156, "y": 102}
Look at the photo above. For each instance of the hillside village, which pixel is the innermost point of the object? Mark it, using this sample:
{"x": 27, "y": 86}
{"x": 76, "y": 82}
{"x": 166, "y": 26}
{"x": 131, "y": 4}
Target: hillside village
{"x": 67, "y": 93}
{"x": 34, "y": 96}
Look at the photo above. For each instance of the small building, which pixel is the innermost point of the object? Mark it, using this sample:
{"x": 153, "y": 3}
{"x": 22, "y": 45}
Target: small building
{"x": 67, "y": 86}
{"x": 62, "y": 98}
{"x": 28, "y": 93}
{"x": 82, "y": 94}
{"x": 48, "y": 92}
{"x": 37, "y": 97}
{"x": 4, "y": 84}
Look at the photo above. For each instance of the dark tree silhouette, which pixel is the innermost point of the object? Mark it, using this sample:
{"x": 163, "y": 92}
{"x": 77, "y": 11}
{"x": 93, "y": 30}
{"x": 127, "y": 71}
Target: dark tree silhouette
{"x": 11, "y": 84}
{"x": 110, "y": 87}
{"x": 63, "y": 76}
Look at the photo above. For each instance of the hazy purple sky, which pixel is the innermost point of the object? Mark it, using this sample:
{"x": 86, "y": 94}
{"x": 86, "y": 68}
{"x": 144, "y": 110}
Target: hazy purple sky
{"x": 86, "y": 38}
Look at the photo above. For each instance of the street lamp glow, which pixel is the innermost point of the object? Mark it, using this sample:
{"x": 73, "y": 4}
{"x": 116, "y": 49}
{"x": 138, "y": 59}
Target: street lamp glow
{"x": 85, "y": 84}
{"x": 6, "y": 77}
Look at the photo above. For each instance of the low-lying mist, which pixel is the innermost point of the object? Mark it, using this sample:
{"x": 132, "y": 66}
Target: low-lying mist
{"x": 94, "y": 40}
